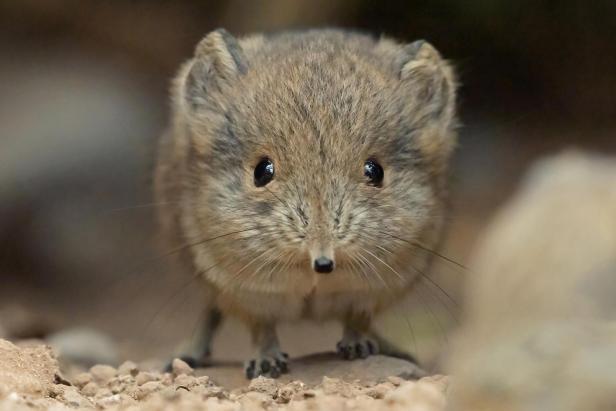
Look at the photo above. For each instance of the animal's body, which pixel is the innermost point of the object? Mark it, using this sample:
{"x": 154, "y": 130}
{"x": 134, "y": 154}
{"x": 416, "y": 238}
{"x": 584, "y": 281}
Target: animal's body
{"x": 304, "y": 176}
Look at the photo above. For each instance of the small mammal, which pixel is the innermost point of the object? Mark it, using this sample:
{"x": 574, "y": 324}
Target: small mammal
{"x": 539, "y": 331}
{"x": 304, "y": 176}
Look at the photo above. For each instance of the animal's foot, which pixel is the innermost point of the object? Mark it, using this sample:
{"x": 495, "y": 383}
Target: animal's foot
{"x": 356, "y": 346}
{"x": 270, "y": 365}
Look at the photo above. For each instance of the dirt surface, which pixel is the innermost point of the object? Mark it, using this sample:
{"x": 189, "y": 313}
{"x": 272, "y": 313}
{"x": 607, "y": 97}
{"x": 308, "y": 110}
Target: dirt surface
{"x": 30, "y": 379}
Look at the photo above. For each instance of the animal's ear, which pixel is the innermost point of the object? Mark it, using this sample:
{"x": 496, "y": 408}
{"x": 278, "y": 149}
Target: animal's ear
{"x": 430, "y": 80}
{"x": 431, "y": 87}
{"x": 218, "y": 60}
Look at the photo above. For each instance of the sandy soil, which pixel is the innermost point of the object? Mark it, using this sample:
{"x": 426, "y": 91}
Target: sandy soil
{"x": 30, "y": 379}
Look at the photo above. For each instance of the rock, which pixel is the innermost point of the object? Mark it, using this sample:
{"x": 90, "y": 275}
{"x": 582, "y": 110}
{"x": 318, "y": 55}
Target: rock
{"x": 187, "y": 381}
{"x": 144, "y": 377}
{"x": 148, "y": 388}
{"x": 90, "y": 389}
{"x": 180, "y": 367}
{"x": 264, "y": 385}
{"x": 103, "y": 388}
{"x": 101, "y": 374}
{"x": 27, "y": 370}
{"x": 337, "y": 386}
{"x": 109, "y": 401}
{"x": 412, "y": 395}
{"x": 118, "y": 384}
{"x": 311, "y": 369}
{"x": 395, "y": 380}
{"x": 380, "y": 390}
{"x": 128, "y": 368}
{"x": 255, "y": 401}
{"x": 539, "y": 317}
{"x": 84, "y": 346}
{"x": 82, "y": 379}
{"x": 74, "y": 399}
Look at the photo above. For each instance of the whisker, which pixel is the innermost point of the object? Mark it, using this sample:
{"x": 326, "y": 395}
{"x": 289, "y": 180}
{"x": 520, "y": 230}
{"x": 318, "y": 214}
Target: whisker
{"x": 138, "y": 206}
{"x": 175, "y": 294}
{"x": 277, "y": 198}
{"x": 385, "y": 264}
{"x": 416, "y": 347}
{"x": 425, "y": 276}
{"x": 373, "y": 268}
{"x": 437, "y": 254}
{"x": 237, "y": 274}
{"x": 425, "y": 303}
{"x": 435, "y": 284}
{"x": 419, "y": 246}
{"x": 426, "y": 306}
{"x": 267, "y": 260}
{"x": 357, "y": 264}
{"x": 438, "y": 299}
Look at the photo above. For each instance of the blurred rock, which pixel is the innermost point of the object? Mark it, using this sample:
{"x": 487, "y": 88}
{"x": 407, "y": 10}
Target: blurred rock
{"x": 540, "y": 330}
{"x": 102, "y": 374}
{"x": 128, "y": 368}
{"x": 84, "y": 346}
{"x": 27, "y": 370}
{"x": 180, "y": 367}
{"x": 311, "y": 369}
{"x": 18, "y": 322}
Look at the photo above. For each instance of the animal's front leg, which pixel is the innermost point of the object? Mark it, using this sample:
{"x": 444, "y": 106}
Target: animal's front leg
{"x": 268, "y": 360}
{"x": 200, "y": 352}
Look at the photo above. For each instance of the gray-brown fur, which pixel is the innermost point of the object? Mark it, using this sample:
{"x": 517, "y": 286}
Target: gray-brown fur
{"x": 319, "y": 104}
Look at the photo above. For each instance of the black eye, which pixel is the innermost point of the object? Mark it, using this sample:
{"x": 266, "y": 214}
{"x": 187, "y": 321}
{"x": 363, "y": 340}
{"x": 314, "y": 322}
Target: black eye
{"x": 264, "y": 172}
{"x": 374, "y": 172}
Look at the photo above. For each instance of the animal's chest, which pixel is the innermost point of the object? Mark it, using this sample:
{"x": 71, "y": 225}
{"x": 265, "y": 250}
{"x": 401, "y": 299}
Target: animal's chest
{"x": 326, "y": 298}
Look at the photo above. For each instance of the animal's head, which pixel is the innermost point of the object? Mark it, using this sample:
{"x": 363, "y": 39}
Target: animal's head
{"x": 320, "y": 150}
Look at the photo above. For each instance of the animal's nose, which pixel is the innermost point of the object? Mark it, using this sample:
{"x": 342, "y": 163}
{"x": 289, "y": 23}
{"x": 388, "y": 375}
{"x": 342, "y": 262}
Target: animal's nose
{"x": 323, "y": 265}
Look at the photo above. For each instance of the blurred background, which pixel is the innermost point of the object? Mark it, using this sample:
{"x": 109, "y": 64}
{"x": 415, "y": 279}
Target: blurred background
{"x": 84, "y": 97}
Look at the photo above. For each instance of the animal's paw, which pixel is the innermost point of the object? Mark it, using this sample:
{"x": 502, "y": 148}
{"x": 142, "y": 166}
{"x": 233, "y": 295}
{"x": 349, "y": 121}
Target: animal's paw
{"x": 267, "y": 365}
{"x": 359, "y": 346}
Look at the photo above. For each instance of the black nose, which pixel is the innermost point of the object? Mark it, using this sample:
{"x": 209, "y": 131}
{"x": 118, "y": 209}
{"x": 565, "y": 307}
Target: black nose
{"x": 323, "y": 265}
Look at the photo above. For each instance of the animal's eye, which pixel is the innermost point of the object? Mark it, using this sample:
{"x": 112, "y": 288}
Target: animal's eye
{"x": 264, "y": 172}
{"x": 374, "y": 172}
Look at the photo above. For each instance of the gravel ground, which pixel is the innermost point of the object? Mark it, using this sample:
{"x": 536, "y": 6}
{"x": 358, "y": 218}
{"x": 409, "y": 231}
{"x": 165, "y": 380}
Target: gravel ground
{"x": 30, "y": 379}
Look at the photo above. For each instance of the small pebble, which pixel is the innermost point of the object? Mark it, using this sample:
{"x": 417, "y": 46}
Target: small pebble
{"x": 128, "y": 368}
{"x": 109, "y": 401}
{"x": 395, "y": 380}
{"x": 102, "y": 373}
{"x": 264, "y": 385}
{"x": 187, "y": 381}
{"x": 144, "y": 377}
{"x": 170, "y": 394}
{"x": 204, "y": 380}
{"x": 180, "y": 367}
{"x": 150, "y": 387}
{"x": 82, "y": 379}
{"x": 90, "y": 389}
{"x": 103, "y": 392}
{"x": 379, "y": 391}
{"x": 74, "y": 399}
{"x": 285, "y": 394}
{"x": 119, "y": 384}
